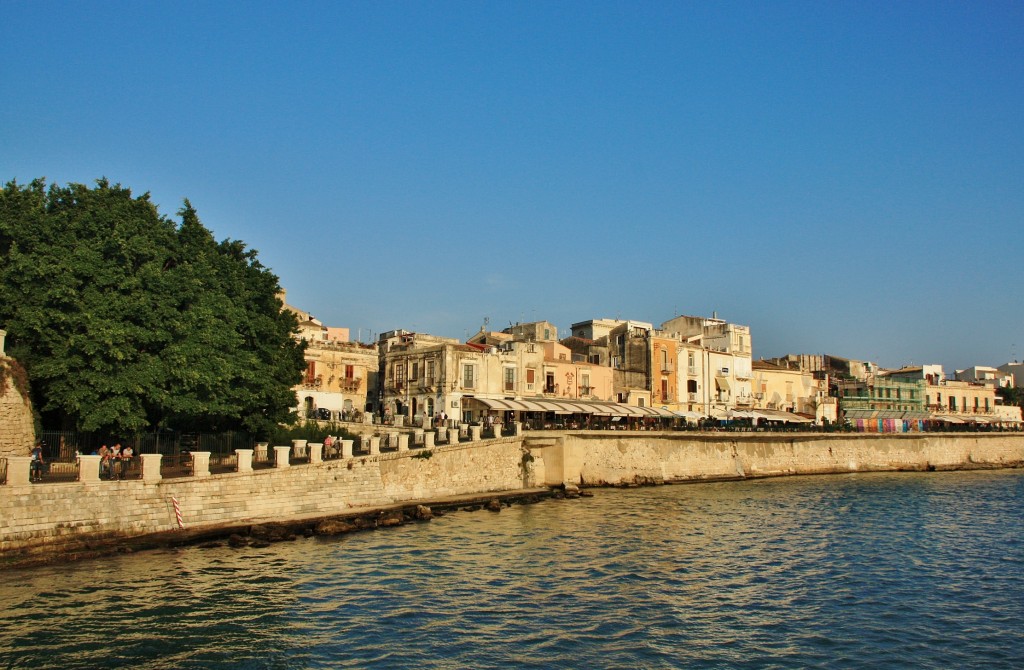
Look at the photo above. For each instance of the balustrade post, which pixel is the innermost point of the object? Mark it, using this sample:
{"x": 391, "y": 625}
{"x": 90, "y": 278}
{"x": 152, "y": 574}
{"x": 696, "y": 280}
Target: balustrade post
{"x": 316, "y": 452}
{"x": 244, "y": 460}
{"x": 150, "y": 467}
{"x": 403, "y": 442}
{"x": 474, "y": 433}
{"x": 374, "y": 445}
{"x": 88, "y": 469}
{"x": 19, "y": 470}
{"x": 346, "y": 448}
{"x": 281, "y": 456}
{"x": 453, "y": 436}
{"x": 428, "y": 439}
{"x": 200, "y": 464}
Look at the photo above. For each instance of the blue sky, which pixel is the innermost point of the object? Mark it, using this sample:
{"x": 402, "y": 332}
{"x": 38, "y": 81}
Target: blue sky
{"x": 844, "y": 178}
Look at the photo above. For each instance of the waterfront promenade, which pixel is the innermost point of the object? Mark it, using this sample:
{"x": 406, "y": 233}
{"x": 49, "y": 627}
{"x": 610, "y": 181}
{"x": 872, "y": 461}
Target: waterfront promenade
{"x": 41, "y": 521}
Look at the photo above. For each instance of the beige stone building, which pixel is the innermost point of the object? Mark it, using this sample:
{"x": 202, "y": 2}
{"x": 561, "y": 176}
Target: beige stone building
{"x": 341, "y": 376}
{"x": 424, "y": 375}
{"x": 714, "y": 363}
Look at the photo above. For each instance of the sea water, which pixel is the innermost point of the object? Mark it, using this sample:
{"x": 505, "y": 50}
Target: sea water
{"x": 853, "y": 571}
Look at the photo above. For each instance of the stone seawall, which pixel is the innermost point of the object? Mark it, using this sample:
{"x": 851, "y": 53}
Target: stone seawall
{"x": 600, "y": 458}
{"x": 78, "y": 516}
{"x": 48, "y": 519}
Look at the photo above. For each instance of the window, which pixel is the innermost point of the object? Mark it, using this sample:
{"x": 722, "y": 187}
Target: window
{"x": 467, "y": 376}
{"x": 430, "y": 372}
{"x": 400, "y": 374}
{"x": 530, "y": 374}
{"x": 310, "y": 371}
{"x": 585, "y": 384}
{"x": 664, "y": 390}
{"x": 510, "y": 379}
{"x": 549, "y": 382}
{"x": 350, "y": 372}
{"x": 691, "y": 386}
{"x": 415, "y": 372}
{"x": 664, "y": 359}
{"x": 547, "y": 334}
{"x": 595, "y": 359}
{"x": 640, "y": 402}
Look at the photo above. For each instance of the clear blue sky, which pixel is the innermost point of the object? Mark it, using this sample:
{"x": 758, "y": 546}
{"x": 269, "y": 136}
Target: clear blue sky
{"x": 844, "y": 178}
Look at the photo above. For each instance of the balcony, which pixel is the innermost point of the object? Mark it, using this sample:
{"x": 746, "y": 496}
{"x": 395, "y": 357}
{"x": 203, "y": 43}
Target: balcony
{"x": 691, "y": 370}
{"x": 692, "y": 397}
{"x": 350, "y": 385}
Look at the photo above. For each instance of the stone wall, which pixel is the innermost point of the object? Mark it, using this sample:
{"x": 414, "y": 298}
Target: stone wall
{"x": 456, "y": 470}
{"x": 17, "y": 434}
{"x": 604, "y": 458}
{"x": 72, "y": 516}
{"x": 47, "y": 518}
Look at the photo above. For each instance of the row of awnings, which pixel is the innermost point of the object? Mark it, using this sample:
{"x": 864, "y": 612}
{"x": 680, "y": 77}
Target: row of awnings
{"x": 579, "y": 407}
{"x": 767, "y": 415}
{"x": 924, "y": 416}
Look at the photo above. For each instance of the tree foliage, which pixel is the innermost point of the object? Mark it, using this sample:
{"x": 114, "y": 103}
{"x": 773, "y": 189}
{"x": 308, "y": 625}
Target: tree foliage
{"x": 1011, "y": 395}
{"x": 126, "y": 320}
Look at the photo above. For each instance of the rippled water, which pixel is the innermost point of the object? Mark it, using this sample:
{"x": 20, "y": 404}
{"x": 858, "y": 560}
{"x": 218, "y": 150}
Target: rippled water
{"x": 880, "y": 570}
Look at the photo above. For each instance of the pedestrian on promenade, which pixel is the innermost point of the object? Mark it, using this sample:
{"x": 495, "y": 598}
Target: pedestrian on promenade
{"x": 36, "y": 466}
{"x": 115, "y": 460}
{"x": 104, "y": 454}
{"x": 126, "y": 460}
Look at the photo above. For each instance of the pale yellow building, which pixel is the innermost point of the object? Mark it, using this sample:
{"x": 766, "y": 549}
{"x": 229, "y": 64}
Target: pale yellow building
{"x": 793, "y": 390}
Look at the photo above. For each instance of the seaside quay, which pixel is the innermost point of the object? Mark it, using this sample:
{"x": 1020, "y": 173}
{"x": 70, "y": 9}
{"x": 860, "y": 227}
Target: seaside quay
{"x": 40, "y": 523}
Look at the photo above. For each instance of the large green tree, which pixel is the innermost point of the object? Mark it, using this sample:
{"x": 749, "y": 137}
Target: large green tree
{"x": 126, "y": 320}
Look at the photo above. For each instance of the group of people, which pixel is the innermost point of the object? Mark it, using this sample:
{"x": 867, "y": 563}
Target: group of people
{"x": 115, "y": 460}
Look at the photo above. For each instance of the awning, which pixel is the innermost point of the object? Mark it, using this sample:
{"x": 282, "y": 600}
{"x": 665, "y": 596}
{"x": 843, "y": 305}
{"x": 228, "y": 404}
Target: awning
{"x": 490, "y": 403}
{"x": 664, "y": 412}
{"x": 787, "y": 417}
{"x": 948, "y": 419}
{"x": 722, "y": 383}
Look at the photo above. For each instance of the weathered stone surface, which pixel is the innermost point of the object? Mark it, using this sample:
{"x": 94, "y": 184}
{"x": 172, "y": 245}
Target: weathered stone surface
{"x": 392, "y": 518}
{"x": 238, "y": 541}
{"x": 272, "y": 532}
{"x": 334, "y": 527}
{"x": 17, "y": 433}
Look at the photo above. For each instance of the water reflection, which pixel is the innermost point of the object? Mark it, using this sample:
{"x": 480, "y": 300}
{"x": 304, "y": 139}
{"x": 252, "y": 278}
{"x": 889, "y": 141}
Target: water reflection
{"x": 858, "y": 571}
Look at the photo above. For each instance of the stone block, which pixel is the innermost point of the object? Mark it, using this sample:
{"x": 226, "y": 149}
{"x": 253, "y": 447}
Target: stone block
{"x": 200, "y": 464}
{"x": 150, "y": 467}
{"x": 244, "y": 460}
